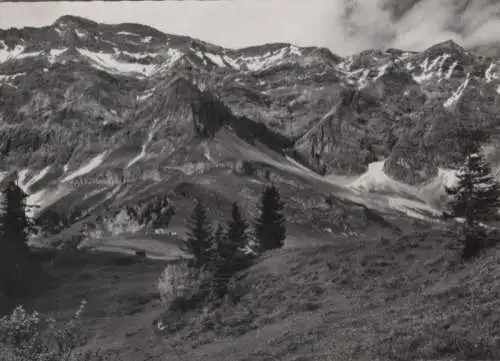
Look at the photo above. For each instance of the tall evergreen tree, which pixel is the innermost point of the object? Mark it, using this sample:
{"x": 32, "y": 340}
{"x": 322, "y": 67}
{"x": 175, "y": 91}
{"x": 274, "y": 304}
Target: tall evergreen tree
{"x": 199, "y": 241}
{"x": 218, "y": 238}
{"x": 270, "y": 228}
{"x": 227, "y": 259}
{"x": 237, "y": 229}
{"x": 15, "y": 226}
{"x": 218, "y": 262}
{"x": 475, "y": 197}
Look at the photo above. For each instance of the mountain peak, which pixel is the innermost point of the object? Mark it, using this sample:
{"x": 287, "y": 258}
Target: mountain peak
{"x": 74, "y": 21}
{"x": 447, "y": 45}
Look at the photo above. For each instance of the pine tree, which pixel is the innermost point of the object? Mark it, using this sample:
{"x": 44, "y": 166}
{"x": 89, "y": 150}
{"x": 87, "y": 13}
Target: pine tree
{"x": 476, "y": 197}
{"x": 270, "y": 227}
{"x": 223, "y": 260}
{"x": 15, "y": 227}
{"x": 237, "y": 229}
{"x": 216, "y": 253}
{"x": 199, "y": 241}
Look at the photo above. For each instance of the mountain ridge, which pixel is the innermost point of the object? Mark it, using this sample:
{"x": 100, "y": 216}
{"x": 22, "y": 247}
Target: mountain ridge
{"x": 115, "y": 109}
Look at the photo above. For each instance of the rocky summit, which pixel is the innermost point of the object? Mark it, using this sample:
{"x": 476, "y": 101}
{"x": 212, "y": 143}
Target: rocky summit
{"x": 97, "y": 118}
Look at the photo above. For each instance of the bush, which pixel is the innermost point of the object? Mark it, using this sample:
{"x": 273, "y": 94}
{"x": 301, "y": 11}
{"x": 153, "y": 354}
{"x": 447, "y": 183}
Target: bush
{"x": 178, "y": 280}
{"x": 33, "y": 337}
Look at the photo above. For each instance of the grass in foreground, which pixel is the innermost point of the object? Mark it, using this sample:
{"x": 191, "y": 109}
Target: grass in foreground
{"x": 407, "y": 298}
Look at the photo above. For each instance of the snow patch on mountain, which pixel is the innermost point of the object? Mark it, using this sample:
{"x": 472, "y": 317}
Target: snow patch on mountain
{"x": 44, "y": 198}
{"x": 363, "y": 80}
{"x": 231, "y": 62}
{"x": 294, "y": 50}
{"x": 346, "y": 64}
{"x": 260, "y": 62}
{"x": 135, "y": 55}
{"x": 16, "y": 53}
{"x": 147, "y": 94}
{"x": 7, "y": 78}
{"x": 38, "y": 177}
{"x": 21, "y": 179}
{"x": 436, "y": 189}
{"x": 126, "y": 33}
{"x": 207, "y": 154}
{"x": 431, "y": 69}
{"x": 169, "y": 57}
{"x": 54, "y": 53}
{"x": 87, "y": 168}
{"x": 142, "y": 154}
{"x": 7, "y": 54}
{"x": 458, "y": 93}
{"x": 80, "y": 34}
{"x": 451, "y": 69}
{"x": 381, "y": 71}
{"x": 216, "y": 59}
{"x": 220, "y": 60}
{"x": 108, "y": 62}
{"x": 402, "y": 197}
{"x": 376, "y": 180}
{"x": 489, "y": 75}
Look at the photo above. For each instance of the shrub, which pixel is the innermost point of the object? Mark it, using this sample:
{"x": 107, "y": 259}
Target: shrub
{"x": 178, "y": 280}
{"x": 33, "y": 337}
{"x": 117, "y": 224}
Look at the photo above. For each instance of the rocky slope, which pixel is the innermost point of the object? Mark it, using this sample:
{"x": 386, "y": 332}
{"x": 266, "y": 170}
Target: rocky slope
{"x": 95, "y": 118}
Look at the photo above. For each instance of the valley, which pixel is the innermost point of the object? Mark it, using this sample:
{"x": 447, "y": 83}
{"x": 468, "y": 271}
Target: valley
{"x": 114, "y": 131}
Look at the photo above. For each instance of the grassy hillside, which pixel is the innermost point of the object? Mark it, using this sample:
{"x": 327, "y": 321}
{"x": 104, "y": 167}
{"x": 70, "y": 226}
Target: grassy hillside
{"x": 402, "y": 298}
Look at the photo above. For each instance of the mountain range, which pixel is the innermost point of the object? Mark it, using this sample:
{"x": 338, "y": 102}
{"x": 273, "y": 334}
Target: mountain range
{"x": 97, "y": 118}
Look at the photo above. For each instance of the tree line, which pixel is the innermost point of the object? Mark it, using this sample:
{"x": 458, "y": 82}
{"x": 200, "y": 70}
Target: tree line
{"x": 223, "y": 249}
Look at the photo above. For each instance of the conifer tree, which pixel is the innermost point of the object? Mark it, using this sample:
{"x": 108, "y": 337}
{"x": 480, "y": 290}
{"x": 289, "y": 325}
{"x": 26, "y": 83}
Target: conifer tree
{"x": 219, "y": 260}
{"x": 270, "y": 227}
{"x": 218, "y": 239}
{"x": 228, "y": 257}
{"x": 15, "y": 226}
{"x": 199, "y": 241}
{"x": 237, "y": 229}
{"x": 476, "y": 198}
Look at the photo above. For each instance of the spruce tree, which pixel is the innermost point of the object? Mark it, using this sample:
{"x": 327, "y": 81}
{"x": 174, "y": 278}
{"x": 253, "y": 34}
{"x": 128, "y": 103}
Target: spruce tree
{"x": 15, "y": 227}
{"x": 219, "y": 260}
{"x": 237, "y": 229}
{"x": 475, "y": 197}
{"x": 215, "y": 250}
{"x": 270, "y": 227}
{"x": 199, "y": 241}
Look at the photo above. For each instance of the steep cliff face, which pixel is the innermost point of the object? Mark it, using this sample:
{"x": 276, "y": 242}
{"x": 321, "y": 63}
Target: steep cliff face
{"x": 95, "y": 115}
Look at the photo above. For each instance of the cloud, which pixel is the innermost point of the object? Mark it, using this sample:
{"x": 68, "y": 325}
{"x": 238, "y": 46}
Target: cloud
{"x": 344, "y": 26}
{"x": 418, "y": 24}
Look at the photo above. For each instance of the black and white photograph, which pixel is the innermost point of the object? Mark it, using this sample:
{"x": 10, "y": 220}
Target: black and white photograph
{"x": 250, "y": 180}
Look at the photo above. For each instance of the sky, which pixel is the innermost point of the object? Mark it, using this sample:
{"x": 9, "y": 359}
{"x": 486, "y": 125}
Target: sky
{"x": 344, "y": 26}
